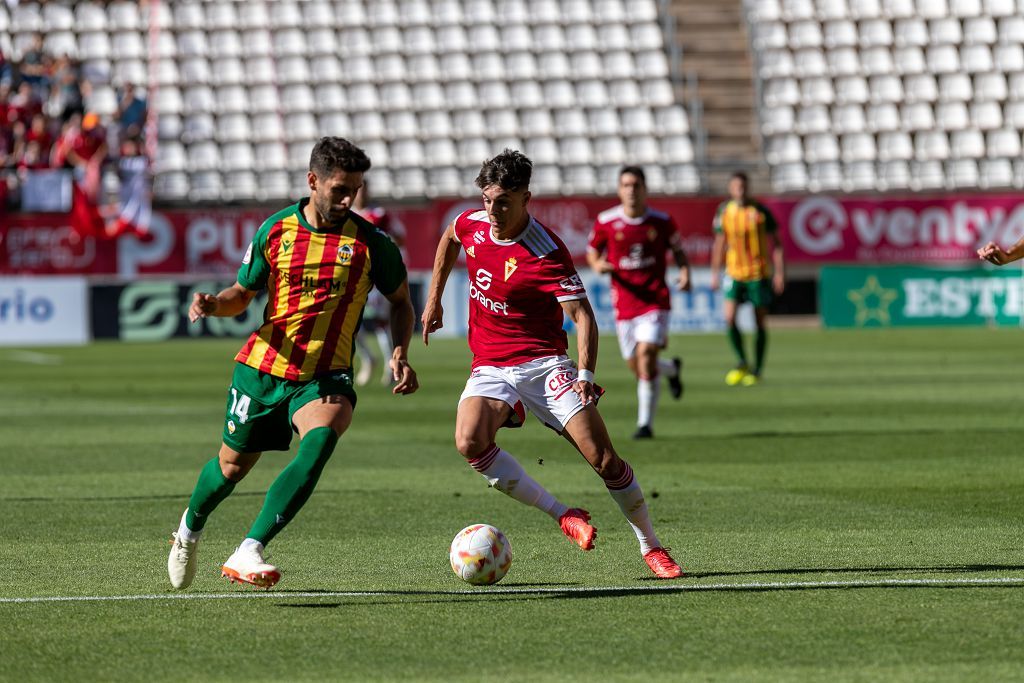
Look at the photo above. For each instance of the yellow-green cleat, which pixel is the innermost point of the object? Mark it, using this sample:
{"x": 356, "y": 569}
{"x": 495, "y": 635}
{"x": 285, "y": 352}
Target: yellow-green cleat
{"x": 736, "y": 375}
{"x": 750, "y": 379}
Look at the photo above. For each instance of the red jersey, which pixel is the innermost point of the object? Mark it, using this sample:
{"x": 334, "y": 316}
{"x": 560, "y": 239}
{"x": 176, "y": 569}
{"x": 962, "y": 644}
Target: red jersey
{"x": 636, "y": 248}
{"x": 515, "y": 290}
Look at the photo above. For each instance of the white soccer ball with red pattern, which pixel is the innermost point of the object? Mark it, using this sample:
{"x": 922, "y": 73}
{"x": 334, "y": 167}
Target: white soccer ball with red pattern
{"x": 480, "y": 554}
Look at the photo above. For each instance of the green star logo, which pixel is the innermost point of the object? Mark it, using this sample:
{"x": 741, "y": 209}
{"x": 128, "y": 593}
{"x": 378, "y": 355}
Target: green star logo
{"x": 872, "y": 302}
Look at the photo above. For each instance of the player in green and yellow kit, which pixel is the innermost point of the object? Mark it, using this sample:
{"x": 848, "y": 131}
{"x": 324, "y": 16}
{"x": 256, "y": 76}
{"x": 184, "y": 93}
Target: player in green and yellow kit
{"x": 317, "y": 260}
{"x": 746, "y": 237}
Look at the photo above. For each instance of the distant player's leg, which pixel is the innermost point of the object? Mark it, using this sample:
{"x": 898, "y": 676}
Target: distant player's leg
{"x": 476, "y": 425}
{"x": 216, "y": 481}
{"x": 586, "y": 431}
{"x": 648, "y": 389}
{"x": 761, "y": 315}
{"x": 368, "y": 361}
{"x": 319, "y": 424}
{"x": 736, "y": 375}
{"x": 672, "y": 370}
{"x": 383, "y": 332}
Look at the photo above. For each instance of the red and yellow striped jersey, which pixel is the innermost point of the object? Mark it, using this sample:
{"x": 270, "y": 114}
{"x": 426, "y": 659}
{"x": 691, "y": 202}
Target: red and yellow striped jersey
{"x": 746, "y": 227}
{"x": 317, "y": 283}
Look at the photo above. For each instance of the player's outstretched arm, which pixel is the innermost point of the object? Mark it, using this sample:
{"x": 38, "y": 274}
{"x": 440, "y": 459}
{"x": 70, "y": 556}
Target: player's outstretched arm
{"x": 679, "y": 255}
{"x": 403, "y": 317}
{"x": 995, "y": 254}
{"x": 444, "y": 260}
{"x": 597, "y": 262}
{"x": 225, "y": 304}
{"x": 582, "y": 315}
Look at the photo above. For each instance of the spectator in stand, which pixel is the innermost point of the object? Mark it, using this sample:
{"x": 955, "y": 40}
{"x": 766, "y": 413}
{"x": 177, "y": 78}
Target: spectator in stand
{"x": 6, "y": 72}
{"x": 66, "y": 96}
{"x": 33, "y": 158}
{"x": 17, "y": 141}
{"x": 25, "y": 103}
{"x": 34, "y": 68}
{"x": 131, "y": 112}
{"x": 39, "y": 133}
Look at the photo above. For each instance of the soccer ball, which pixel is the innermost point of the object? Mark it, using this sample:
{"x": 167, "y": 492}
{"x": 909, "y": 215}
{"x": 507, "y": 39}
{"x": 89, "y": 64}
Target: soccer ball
{"x": 480, "y": 554}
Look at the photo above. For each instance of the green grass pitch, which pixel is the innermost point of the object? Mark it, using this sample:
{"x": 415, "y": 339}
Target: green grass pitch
{"x": 858, "y": 516}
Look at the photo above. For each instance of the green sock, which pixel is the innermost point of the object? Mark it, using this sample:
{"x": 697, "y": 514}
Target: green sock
{"x": 210, "y": 490}
{"x": 762, "y": 344}
{"x": 736, "y": 340}
{"x": 294, "y": 485}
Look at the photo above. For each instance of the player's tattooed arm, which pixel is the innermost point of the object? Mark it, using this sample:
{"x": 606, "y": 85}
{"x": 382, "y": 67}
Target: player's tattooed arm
{"x": 225, "y": 304}
{"x": 444, "y": 260}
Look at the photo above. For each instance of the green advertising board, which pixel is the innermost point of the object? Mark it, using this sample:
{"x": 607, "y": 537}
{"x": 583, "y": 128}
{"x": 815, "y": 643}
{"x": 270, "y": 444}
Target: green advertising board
{"x": 902, "y": 296}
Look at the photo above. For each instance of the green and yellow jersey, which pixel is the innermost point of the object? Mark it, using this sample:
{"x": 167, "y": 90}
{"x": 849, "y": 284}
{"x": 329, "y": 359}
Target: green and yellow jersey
{"x": 317, "y": 282}
{"x": 746, "y": 228}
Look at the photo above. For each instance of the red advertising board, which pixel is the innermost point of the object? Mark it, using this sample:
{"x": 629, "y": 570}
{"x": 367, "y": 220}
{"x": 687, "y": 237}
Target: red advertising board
{"x": 815, "y": 230}
{"x": 212, "y": 242}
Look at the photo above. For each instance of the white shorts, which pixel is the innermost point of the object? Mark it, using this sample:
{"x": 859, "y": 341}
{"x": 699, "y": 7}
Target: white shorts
{"x": 650, "y": 328}
{"x": 542, "y": 386}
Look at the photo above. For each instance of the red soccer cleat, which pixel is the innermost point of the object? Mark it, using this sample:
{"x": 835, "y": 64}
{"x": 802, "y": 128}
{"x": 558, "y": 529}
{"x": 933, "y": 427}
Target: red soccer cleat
{"x": 575, "y": 525}
{"x": 662, "y": 564}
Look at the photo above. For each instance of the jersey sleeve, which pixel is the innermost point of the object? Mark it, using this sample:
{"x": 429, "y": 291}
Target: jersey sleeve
{"x": 387, "y": 270}
{"x": 671, "y": 234}
{"x": 255, "y": 267}
{"x": 717, "y": 223}
{"x": 561, "y": 278}
{"x": 598, "y": 237}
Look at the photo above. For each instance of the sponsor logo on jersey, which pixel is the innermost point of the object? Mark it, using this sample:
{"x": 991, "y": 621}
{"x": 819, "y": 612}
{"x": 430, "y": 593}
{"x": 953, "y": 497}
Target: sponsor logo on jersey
{"x": 510, "y": 267}
{"x": 571, "y": 284}
{"x": 345, "y": 252}
{"x": 247, "y": 259}
{"x": 479, "y": 237}
{"x": 471, "y": 250}
{"x": 636, "y": 260}
{"x": 492, "y": 305}
{"x": 484, "y": 279}
{"x": 231, "y": 426}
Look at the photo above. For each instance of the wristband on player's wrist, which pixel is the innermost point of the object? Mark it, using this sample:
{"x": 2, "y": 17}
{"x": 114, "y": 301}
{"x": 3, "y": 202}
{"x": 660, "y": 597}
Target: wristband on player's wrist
{"x": 585, "y": 376}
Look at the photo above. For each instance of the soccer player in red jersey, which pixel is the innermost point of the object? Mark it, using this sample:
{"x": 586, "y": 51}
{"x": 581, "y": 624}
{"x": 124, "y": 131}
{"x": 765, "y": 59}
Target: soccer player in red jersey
{"x": 522, "y": 279}
{"x": 376, "y": 315}
{"x": 318, "y": 261}
{"x": 629, "y": 242}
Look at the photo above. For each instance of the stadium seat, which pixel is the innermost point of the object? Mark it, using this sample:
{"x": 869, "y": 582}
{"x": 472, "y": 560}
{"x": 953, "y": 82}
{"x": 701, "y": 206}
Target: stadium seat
{"x": 986, "y": 115}
{"x": 931, "y": 145}
{"x": 527, "y": 94}
{"x": 643, "y": 149}
{"x": 777, "y": 120}
{"x": 916, "y": 117}
{"x": 797, "y": 10}
{"x": 783, "y": 149}
{"x": 221, "y": 15}
{"x": 670, "y": 120}
{"x": 820, "y": 147}
{"x": 962, "y": 173}
{"x": 810, "y": 62}
{"x": 88, "y": 17}
{"x": 851, "y": 90}
{"x": 170, "y": 156}
{"x": 895, "y": 146}
{"x": 952, "y": 116}
{"x": 803, "y": 34}
{"x": 638, "y": 121}
{"x": 502, "y": 121}
{"x": 625, "y": 93}
{"x": 885, "y": 88}
{"x": 843, "y": 61}
{"x": 956, "y": 87}
{"x": 1003, "y": 143}
{"x": 334, "y": 123}
{"x": 824, "y": 177}
{"x": 859, "y": 177}
{"x": 996, "y": 173}
{"x": 943, "y": 59}
{"x": 238, "y": 156}
{"x": 570, "y": 122}
{"x": 875, "y": 33}
{"x": 124, "y": 16}
{"x": 683, "y": 178}
{"x": 920, "y": 88}
{"x": 789, "y": 177}
{"x": 520, "y": 66}
{"x": 267, "y": 127}
{"x": 967, "y": 144}
{"x": 883, "y": 118}
{"x": 609, "y": 150}
{"x": 909, "y": 60}
{"x": 965, "y": 8}
{"x": 676, "y": 149}
{"x": 813, "y": 119}
{"x": 858, "y": 147}
{"x": 839, "y": 33}
{"x": 894, "y": 175}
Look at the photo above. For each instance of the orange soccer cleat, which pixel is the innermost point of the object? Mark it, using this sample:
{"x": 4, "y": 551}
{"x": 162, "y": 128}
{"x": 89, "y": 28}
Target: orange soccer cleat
{"x": 662, "y": 564}
{"x": 246, "y": 565}
{"x": 575, "y": 525}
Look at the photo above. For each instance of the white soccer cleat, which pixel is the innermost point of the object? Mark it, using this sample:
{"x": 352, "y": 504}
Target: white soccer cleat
{"x": 181, "y": 564}
{"x": 246, "y": 565}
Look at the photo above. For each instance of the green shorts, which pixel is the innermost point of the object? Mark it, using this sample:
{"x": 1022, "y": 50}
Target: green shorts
{"x": 261, "y": 407}
{"x": 757, "y": 292}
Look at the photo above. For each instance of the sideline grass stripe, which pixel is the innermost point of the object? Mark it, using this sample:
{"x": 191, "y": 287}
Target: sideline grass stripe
{"x": 597, "y": 591}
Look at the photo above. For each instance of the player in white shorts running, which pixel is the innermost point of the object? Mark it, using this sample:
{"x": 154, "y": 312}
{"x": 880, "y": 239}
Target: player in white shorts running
{"x": 629, "y": 242}
{"x": 521, "y": 280}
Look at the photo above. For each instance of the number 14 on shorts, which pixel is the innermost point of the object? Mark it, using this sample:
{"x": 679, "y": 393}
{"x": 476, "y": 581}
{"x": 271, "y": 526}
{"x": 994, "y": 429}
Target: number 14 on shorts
{"x": 239, "y": 405}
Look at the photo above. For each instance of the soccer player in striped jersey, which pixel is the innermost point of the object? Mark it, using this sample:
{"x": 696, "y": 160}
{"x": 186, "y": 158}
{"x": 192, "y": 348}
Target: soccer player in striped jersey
{"x": 629, "y": 241}
{"x": 522, "y": 279}
{"x": 746, "y": 238}
{"x": 317, "y": 260}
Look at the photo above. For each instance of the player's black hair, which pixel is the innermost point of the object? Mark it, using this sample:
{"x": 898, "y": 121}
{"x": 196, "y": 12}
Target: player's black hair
{"x": 332, "y": 154}
{"x": 634, "y": 170}
{"x": 741, "y": 175}
{"x": 511, "y": 170}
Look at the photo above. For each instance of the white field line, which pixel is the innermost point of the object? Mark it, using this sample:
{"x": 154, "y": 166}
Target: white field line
{"x": 34, "y": 357}
{"x": 548, "y": 590}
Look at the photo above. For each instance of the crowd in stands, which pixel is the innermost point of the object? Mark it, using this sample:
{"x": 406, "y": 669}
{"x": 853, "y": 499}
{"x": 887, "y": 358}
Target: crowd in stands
{"x": 46, "y": 123}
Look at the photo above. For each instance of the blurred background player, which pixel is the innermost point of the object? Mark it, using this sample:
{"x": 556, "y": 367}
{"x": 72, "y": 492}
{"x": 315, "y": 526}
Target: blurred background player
{"x": 629, "y": 242}
{"x": 318, "y": 261}
{"x": 746, "y": 236}
{"x": 522, "y": 280}
{"x": 377, "y": 314}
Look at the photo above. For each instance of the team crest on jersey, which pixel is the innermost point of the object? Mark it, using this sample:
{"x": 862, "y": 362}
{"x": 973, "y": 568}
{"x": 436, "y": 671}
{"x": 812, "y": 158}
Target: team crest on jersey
{"x": 471, "y": 250}
{"x": 652, "y": 234}
{"x": 345, "y": 252}
{"x": 479, "y": 237}
{"x": 619, "y": 236}
{"x": 510, "y": 267}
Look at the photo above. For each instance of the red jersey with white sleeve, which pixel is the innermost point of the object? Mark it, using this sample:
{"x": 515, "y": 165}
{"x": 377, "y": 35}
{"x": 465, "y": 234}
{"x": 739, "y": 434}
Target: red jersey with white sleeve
{"x": 515, "y": 291}
{"x": 636, "y": 248}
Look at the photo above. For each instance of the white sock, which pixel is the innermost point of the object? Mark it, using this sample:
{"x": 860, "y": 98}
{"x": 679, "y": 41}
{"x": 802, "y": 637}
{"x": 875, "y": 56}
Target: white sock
{"x": 667, "y": 367}
{"x": 384, "y": 339}
{"x": 504, "y": 473}
{"x": 647, "y": 391}
{"x": 626, "y": 492}
{"x": 186, "y": 534}
{"x": 252, "y": 544}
